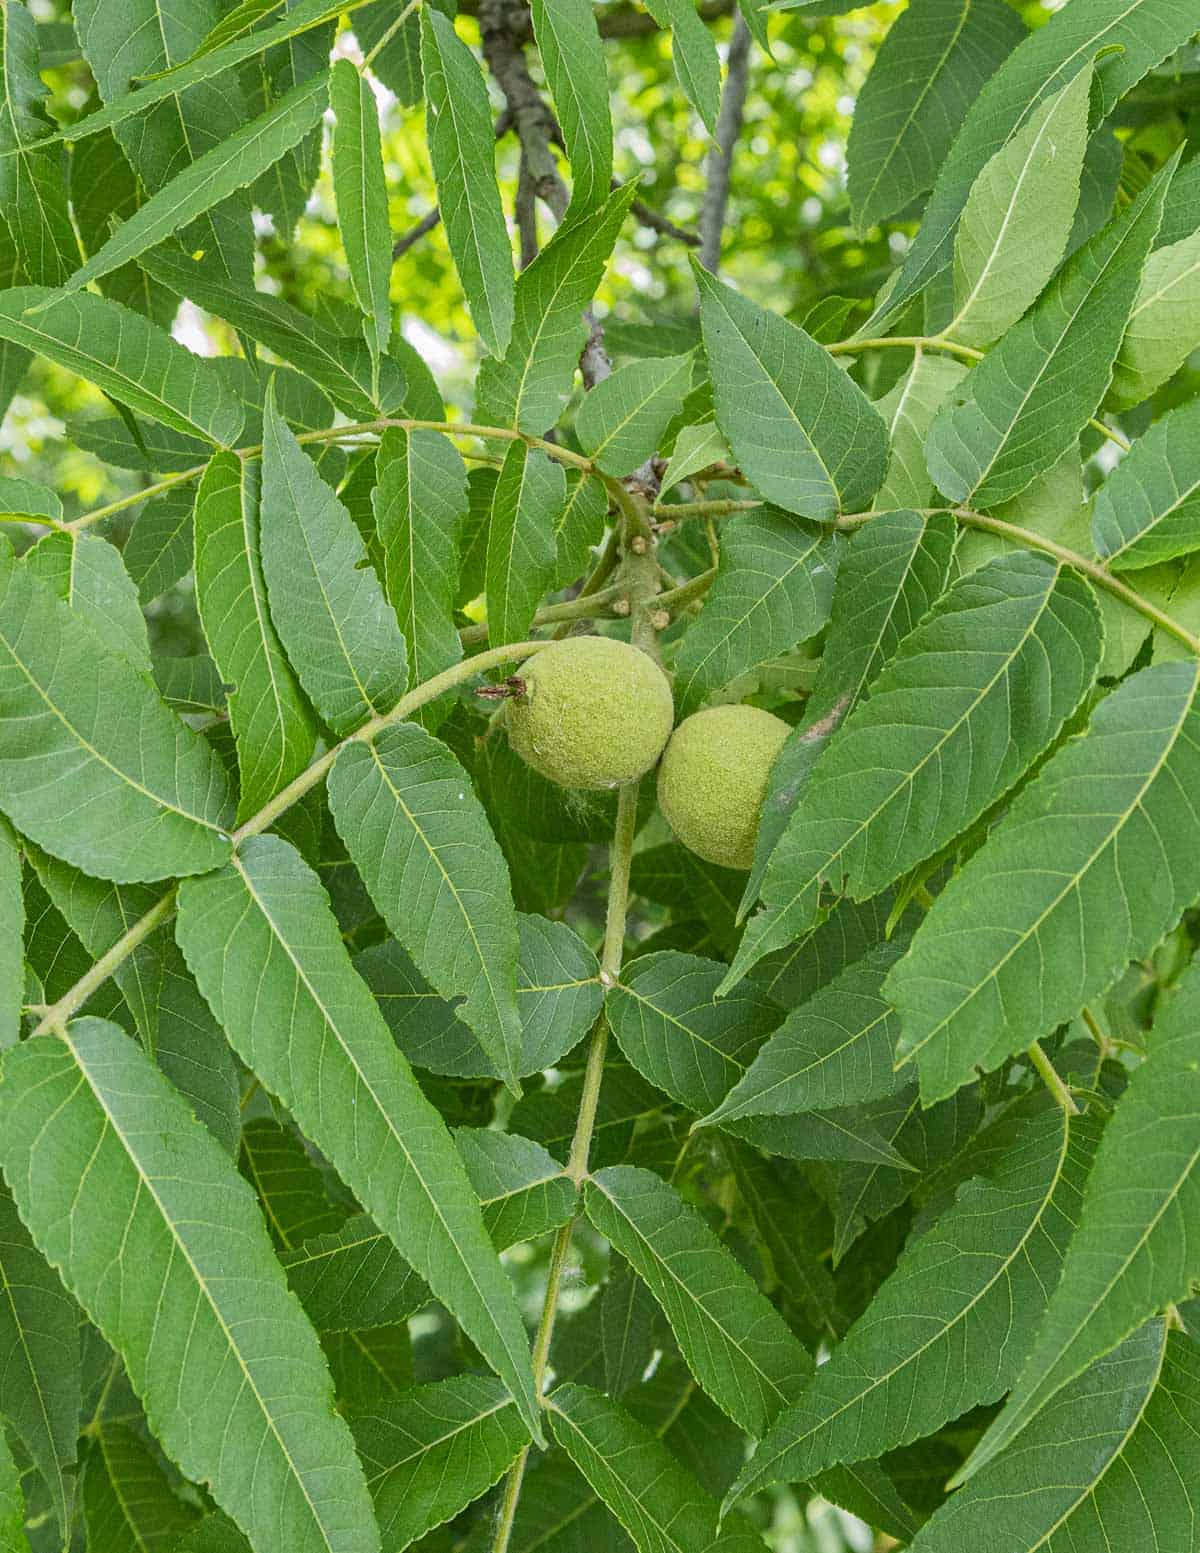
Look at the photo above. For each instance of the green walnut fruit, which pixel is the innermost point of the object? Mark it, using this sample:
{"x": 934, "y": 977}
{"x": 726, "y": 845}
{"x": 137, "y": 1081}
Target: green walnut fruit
{"x": 713, "y": 780}
{"x": 593, "y": 712}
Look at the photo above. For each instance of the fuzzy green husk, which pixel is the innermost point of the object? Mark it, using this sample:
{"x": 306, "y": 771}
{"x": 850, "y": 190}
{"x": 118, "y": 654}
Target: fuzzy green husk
{"x": 713, "y": 780}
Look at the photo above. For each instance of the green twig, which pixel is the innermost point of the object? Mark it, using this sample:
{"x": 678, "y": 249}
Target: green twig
{"x": 1051, "y": 1079}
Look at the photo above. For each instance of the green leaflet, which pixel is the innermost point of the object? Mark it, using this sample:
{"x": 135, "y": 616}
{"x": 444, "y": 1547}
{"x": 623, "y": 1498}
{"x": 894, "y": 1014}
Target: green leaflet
{"x": 342, "y": 367}
{"x": 318, "y": 1041}
{"x": 232, "y": 165}
{"x": 12, "y": 1504}
{"x": 1122, "y": 1440}
{"x": 191, "y": 684}
{"x": 661, "y": 1506}
{"x": 927, "y": 73}
{"x": 12, "y": 948}
{"x": 579, "y": 526}
{"x": 1138, "y": 1244}
{"x": 947, "y": 1330}
{"x": 802, "y": 431}
{"x": 114, "y": 1175}
{"x": 1019, "y": 215}
{"x": 127, "y": 356}
{"x": 92, "y": 765}
{"x": 622, "y": 419}
{"x": 971, "y": 700}
{"x": 530, "y": 384}
{"x": 522, "y": 551}
{"x": 458, "y": 127}
{"x": 420, "y": 504}
{"x": 105, "y": 190}
{"x": 694, "y": 56}
{"x": 568, "y": 41}
{"x": 908, "y": 410}
{"x": 1111, "y": 816}
{"x": 696, "y": 447}
{"x": 773, "y": 591}
{"x": 433, "y": 1450}
{"x": 735, "y": 1343}
{"x": 769, "y": 1192}
{"x": 32, "y": 192}
{"x": 1162, "y": 331}
{"x": 338, "y": 629}
{"x": 362, "y": 203}
{"x": 1018, "y": 411}
{"x": 284, "y": 189}
{"x": 289, "y": 1186}
{"x": 1148, "y": 510}
{"x": 834, "y": 1050}
{"x": 1132, "y": 35}
{"x": 39, "y": 1359}
{"x": 89, "y": 575}
{"x": 273, "y": 728}
{"x": 127, "y": 1500}
{"x": 25, "y": 499}
{"x": 627, "y": 1326}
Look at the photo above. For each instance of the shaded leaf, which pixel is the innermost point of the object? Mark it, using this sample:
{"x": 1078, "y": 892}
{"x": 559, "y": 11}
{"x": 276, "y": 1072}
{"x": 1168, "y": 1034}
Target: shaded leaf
{"x": 33, "y": 192}
{"x": 908, "y": 410}
{"x": 127, "y": 1500}
{"x": 1148, "y": 510}
{"x": 12, "y": 948}
{"x": 522, "y": 550}
{"x": 88, "y": 574}
{"x": 1162, "y": 331}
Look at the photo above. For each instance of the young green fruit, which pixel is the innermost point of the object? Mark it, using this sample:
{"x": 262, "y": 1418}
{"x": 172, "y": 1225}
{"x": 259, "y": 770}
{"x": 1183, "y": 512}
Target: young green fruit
{"x": 594, "y": 712}
{"x": 713, "y": 780}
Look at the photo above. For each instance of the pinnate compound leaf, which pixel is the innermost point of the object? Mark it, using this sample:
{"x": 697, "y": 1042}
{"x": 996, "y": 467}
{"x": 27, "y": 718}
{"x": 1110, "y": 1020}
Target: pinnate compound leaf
{"x": 573, "y": 58}
{"x": 734, "y": 1341}
{"x": 530, "y": 384}
{"x": 300, "y": 1017}
{"x": 802, "y": 431}
{"x": 973, "y": 697}
{"x": 339, "y": 630}
{"x": 1026, "y": 935}
{"x": 623, "y": 417}
{"x": 948, "y": 1328}
{"x": 1137, "y": 1249}
{"x": 420, "y": 839}
{"x": 145, "y": 1217}
{"x": 1163, "y": 330}
{"x": 458, "y": 126}
{"x": 1122, "y": 1441}
{"x": 12, "y": 948}
{"x": 39, "y": 1360}
{"x": 89, "y": 575}
{"x": 361, "y": 193}
{"x": 1148, "y": 510}
{"x": 92, "y": 766}
{"x": 434, "y": 1449}
{"x": 1019, "y": 215}
{"x": 1023, "y": 406}
{"x": 773, "y": 591}
{"x": 522, "y": 551}
{"x": 658, "y": 1502}
{"x": 127, "y": 356}
{"x": 929, "y": 68}
{"x": 127, "y": 1501}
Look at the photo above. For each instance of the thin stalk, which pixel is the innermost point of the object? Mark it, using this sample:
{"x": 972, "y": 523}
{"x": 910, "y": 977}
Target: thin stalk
{"x": 695, "y": 588}
{"x": 717, "y": 508}
{"x": 1050, "y": 1078}
{"x": 578, "y": 608}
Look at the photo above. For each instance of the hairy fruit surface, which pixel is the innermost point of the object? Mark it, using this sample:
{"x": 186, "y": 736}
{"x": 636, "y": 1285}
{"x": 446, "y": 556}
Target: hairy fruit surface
{"x": 713, "y": 779}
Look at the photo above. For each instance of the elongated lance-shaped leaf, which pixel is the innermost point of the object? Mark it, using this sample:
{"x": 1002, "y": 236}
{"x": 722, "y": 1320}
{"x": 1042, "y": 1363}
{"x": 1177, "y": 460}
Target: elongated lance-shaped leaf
{"x": 1016, "y": 943}
{"x": 694, "y": 56}
{"x": 947, "y": 1330}
{"x": 579, "y": 526}
{"x": 834, "y": 1050}
{"x": 522, "y": 551}
{"x": 420, "y": 504}
{"x": 419, "y": 837}
{"x": 931, "y": 64}
{"x": 621, "y": 420}
{"x": 1125, "y": 38}
{"x": 908, "y": 409}
{"x": 773, "y": 591}
{"x": 361, "y": 194}
{"x": 338, "y": 629}
{"x": 300, "y": 1017}
{"x": 290, "y": 1188}
{"x": 1019, "y": 410}
{"x": 628, "y": 1317}
{"x": 341, "y": 367}
{"x": 33, "y": 192}
{"x": 1138, "y": 1244}
{"x": 127, "y": 356}
{"x": 802, "y": 431}
{"x": 39, "y": 1360}
{"x": 232, "y": 165}
{"x": 734, "y": 1341}
{"x": 27, "y": 499}
{"x": 769, "y": 1192}
{"x": 354, "y": 1278}
{"x": 971, "y": 700}
{"x": 658, "y": 1502}
{"x": 273, "y": 728}
{"x": 1148, "y": 510}
{"x": 568, "y": 43}
{"x": 89, "y": 575}
{"x": 1122, "y": 1444}
{"x": 887, "y": 581}
{"x": 92, "y": 766}
{"x": 12, "y": 927}
{"x": 1162, "y": 331}
{"x": 159, "y": 548}
{"x": 145, "y": 1217}
{"x": 12, "y": 1503}
{"x": 1016, "y": 223}
{"x": 529, "y": 386}
{"x": 458, "y": 126}
{"x": 127, "y": 1499}
{"x": 433, "y": 1450}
